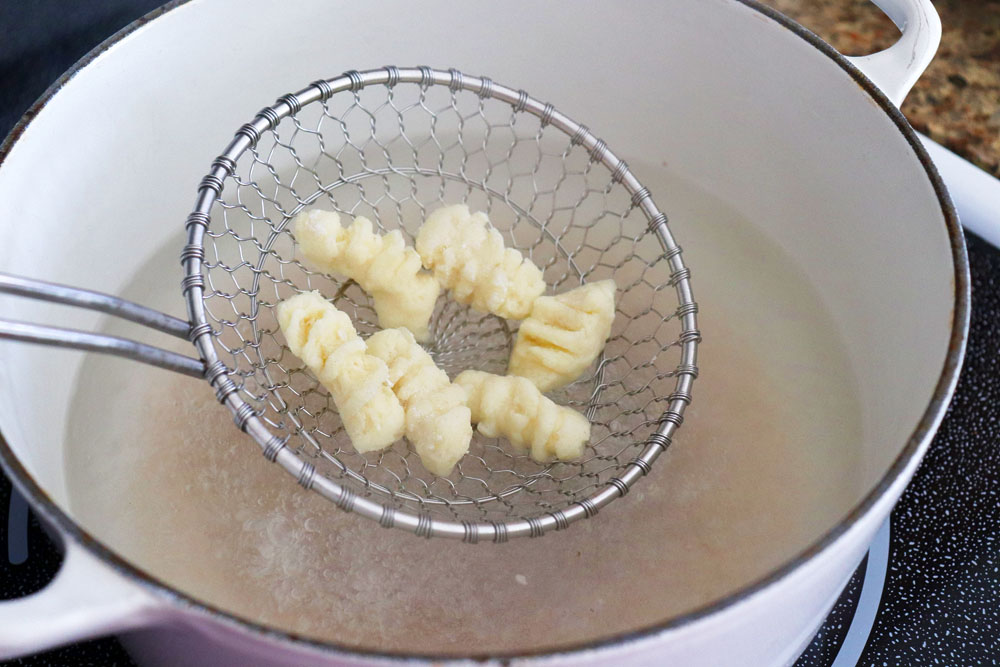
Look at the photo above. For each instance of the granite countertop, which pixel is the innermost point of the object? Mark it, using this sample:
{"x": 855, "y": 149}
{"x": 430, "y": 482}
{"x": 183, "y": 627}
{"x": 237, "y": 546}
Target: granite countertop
{"x": 957, "y": 100}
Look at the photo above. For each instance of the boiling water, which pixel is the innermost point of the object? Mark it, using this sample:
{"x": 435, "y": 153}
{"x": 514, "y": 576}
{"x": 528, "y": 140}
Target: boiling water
{"x": 766, "y": 461}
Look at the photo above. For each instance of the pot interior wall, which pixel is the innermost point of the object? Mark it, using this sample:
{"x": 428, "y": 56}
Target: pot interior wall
{"x": 714, "y": 91}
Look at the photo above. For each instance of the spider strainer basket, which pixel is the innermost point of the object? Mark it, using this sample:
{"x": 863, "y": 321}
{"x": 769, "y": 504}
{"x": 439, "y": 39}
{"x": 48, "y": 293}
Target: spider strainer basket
{"x": 392, "y": 145}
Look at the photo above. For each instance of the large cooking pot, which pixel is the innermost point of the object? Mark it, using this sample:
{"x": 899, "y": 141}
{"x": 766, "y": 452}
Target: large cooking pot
{"x": 738, "y": 99}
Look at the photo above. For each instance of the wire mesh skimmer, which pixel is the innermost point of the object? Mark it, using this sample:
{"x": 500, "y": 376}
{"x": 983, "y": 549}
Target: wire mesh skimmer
{"x": 393, "y": 144}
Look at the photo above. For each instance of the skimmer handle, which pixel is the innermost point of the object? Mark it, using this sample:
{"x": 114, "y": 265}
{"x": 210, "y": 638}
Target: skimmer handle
{"x": 91, "y": 342}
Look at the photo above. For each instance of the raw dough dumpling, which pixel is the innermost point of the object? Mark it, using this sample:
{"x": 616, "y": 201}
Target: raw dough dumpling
{"x": 324, "y": 338}
{"x": 563, "y": 335}
{"x": 402, "y": 293}
{"x": 513, "y": 408}
{"x": 438, "y": 423}
{"x": 468, "y": 257}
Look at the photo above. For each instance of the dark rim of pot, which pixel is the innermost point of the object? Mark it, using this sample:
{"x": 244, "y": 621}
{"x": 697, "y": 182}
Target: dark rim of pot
{"x": 928, "y": 422}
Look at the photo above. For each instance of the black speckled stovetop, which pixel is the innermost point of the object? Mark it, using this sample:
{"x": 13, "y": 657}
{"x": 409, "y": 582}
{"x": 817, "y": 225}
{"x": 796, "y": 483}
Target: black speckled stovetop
{"x": 931, "y": 594}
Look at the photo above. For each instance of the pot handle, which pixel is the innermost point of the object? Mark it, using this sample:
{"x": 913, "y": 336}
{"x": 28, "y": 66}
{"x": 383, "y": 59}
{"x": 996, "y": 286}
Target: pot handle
{"x": 897, "y": 68}
{"x": 84, "y": 600}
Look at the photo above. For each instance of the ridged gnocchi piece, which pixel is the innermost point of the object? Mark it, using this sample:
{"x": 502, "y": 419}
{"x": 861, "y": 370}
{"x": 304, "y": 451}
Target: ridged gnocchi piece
{"x": 324, "y": 338}
{"x": 512, "y": 407}
{"x": 563, "y": 335}
{"x": 468, "y": 257}
{"x": 438, "y": 422}
{"x": 402, "y": 292}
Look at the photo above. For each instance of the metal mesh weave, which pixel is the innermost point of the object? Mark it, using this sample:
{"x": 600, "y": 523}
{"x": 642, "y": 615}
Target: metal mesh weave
{"x": 393, "y": 151}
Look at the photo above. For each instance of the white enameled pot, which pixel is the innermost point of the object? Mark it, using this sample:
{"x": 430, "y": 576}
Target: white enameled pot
{"x": 753, "y": 108}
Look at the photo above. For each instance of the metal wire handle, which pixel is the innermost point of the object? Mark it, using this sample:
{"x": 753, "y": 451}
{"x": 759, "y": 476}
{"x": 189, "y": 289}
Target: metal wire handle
{"x": 392, "y": 144}
{"x": 90, "y": 342}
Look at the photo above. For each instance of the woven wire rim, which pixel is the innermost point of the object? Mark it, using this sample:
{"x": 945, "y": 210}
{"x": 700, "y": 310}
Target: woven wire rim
{"x": 273, "y": 445}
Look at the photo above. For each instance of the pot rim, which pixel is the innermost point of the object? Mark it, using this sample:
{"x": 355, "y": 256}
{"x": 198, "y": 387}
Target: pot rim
{"x": 42, "y": 503}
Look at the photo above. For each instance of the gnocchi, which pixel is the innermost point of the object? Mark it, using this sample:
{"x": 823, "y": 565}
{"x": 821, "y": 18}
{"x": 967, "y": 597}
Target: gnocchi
{"x": 468, "y": 257}
{"x": 402, "y": 293}
{"x": 324, "y": 338}
{"x": 438, "y": 422}
{"x": 563, "y": 335}
{"x": 513, "y": 408}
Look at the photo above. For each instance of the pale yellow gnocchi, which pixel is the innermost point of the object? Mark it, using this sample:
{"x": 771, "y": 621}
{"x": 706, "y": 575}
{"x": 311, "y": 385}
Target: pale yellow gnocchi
{"x": 438, "y": 422}
{"x": 324, "y": 338}
{"x": 563, "y": 335}
{"x": 512, "y": 407}
{"x": 468, "y": 257}
{"x": 402, "y": 293}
